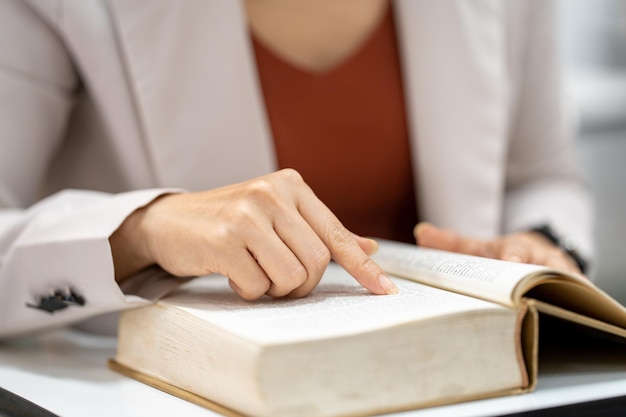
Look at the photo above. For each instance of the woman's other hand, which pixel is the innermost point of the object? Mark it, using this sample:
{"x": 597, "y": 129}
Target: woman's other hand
{"x": 270, "y": 235}
{"x": 527, "y": 247}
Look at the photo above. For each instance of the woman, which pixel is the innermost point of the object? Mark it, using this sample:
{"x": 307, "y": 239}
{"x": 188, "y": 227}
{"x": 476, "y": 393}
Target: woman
{"x": 133, "y": 97}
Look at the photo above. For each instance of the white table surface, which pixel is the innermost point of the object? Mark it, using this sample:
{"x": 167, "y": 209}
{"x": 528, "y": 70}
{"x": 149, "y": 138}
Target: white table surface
{"x": 65, "y": 372}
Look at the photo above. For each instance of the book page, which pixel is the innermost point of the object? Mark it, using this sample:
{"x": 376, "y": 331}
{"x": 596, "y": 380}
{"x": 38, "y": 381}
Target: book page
{"x": 339, "y": 306}
{"x": 485, "y": 278}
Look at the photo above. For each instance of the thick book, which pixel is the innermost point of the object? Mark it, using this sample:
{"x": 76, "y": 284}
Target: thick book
{"x": 460, "y": 328}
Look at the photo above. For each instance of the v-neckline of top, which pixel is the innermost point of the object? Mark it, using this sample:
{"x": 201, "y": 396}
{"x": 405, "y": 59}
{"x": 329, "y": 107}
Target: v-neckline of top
{"x": 350, "y": 59}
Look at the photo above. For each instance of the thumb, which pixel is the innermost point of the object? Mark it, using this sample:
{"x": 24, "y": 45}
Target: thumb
{"x": 430, "y": 236}
{"x": 369, "y": 246}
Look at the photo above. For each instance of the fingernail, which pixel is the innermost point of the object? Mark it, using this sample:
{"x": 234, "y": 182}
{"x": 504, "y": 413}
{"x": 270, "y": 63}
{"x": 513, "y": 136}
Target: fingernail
{"x": 387, "y": 285}
{"x": 374, "y": 246}
{"x": 514, "y": 258}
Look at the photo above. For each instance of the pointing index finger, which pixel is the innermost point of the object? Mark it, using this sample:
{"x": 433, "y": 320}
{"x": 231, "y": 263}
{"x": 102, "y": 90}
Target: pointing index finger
{"x": 344, "y": 247}
{"x": 347, "y": 253}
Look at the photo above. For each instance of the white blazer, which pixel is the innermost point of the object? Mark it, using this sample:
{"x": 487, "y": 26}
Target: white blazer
{"x": 128, "y": 97}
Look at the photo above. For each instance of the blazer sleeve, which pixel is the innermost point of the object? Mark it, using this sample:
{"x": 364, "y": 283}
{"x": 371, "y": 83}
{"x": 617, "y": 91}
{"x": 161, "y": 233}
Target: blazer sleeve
{"x": 544, "y": 185}
{"x": 59, "y": 244}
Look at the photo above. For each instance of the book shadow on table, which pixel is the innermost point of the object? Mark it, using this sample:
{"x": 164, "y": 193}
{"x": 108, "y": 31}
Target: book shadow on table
{"x": 63, "y": 354}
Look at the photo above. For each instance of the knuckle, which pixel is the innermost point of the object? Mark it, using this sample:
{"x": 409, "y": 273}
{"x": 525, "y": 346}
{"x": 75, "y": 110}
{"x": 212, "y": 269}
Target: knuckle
{"x": 290, "y": 277}
{"x": 254, "y": 290}
{"x": 297, "y": 276}
{"x": 282, "y": 284}
{"x": 321, "y": 257}
{"x": 223, "y": 232}
{"x": 291, "y": 175}
{"x": 300, "y": 292}
{"x": 276, "y": 292}
{"x": 338, "y": 234}
{"x": 248, "y": 296}
{"x": 262, "y": 188}
{"x": 366, "y": 263}
{"x": 362, "y": 265}
{"x": 241, "y": 215}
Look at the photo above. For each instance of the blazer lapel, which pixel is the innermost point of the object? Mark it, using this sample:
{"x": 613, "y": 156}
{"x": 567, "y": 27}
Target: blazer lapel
{"x": 192, "y": 73}
{"x": 455, "y": 83}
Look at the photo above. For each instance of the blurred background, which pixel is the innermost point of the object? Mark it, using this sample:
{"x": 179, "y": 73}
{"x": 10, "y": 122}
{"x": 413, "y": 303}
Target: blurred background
{"x": 593, "y": 35}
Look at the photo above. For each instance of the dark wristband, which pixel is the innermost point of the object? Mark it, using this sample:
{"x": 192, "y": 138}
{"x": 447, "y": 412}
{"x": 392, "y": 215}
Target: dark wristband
{"x": 547, "y": 232}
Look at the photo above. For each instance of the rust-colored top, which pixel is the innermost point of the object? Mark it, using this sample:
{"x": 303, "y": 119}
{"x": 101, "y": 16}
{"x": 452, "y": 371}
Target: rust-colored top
{"x": 345, "y": 131}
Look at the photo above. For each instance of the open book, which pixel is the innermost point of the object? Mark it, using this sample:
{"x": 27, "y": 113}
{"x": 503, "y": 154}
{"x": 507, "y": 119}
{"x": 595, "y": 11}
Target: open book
{"x": 461, "y": 328}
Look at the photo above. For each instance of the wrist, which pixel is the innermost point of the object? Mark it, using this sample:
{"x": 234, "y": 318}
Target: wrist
{"x": 128, "y": 246}
{"x": 566, "y": 245}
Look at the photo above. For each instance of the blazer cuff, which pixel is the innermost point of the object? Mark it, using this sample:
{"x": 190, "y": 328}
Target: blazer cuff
{"x": 64, "y": 248}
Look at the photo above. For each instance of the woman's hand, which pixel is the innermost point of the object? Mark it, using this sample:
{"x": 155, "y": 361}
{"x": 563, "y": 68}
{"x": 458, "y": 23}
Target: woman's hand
{"x": 269, "y": 235}
{"x": 527, "y": 247}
